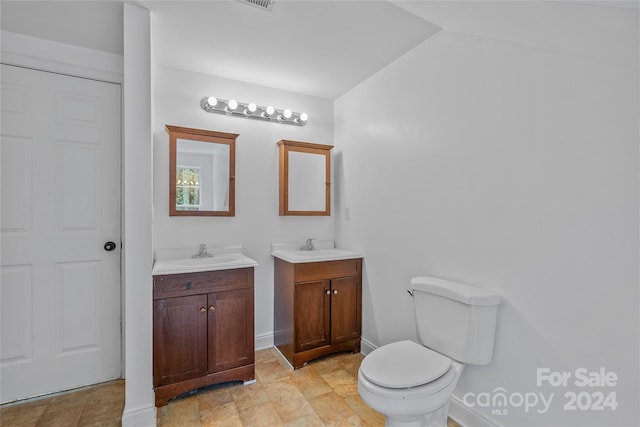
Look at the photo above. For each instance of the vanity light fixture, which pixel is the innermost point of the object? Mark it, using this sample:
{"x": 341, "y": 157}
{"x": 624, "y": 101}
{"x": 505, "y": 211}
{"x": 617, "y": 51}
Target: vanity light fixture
{"x": 250, "y": 110}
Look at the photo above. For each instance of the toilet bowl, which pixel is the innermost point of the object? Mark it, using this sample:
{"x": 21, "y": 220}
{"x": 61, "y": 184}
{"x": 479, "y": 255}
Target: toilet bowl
{"x": 410, "y": 383}
{"x": 408, "y": 388}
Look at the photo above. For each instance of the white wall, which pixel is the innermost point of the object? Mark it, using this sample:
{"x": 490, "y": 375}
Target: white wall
{"x": 511, "y": 168}
{"x": 256, "y": 224}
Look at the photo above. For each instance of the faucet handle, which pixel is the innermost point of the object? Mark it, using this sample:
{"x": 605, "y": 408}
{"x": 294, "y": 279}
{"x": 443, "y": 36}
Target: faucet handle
{"x": 308, "y": 246}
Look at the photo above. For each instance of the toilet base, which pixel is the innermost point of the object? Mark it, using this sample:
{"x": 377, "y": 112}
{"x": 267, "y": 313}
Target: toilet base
{"x": 437, "y": 418}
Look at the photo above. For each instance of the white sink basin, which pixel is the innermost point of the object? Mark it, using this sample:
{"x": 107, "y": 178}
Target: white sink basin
{"x": 332, "y": 254}
{"x": 172, "y": 261}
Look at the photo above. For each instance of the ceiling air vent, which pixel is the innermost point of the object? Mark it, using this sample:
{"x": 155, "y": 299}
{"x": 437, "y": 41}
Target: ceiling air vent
{"x": 260, "y": 4}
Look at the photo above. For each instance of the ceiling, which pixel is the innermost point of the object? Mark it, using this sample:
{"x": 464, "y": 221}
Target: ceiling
{"x": 324, "y": 48}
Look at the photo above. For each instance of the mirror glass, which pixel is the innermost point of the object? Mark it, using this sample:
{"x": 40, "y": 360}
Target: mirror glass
{"x": 306, "y": 182}
{"x": 305, "y": 178}
{"x": 201, "y": 172}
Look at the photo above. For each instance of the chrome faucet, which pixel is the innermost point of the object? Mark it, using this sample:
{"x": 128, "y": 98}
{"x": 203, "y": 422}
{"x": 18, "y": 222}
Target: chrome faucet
{"x": 202, "y": 252}
{"x": 308, "y": 246}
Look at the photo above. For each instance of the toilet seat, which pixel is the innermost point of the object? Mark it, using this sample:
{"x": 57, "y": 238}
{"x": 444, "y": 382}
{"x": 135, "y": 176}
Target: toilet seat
{"x": 404, "y": 364}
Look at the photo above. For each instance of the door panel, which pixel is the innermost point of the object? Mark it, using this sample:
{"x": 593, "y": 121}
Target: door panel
{"x": 179, "y": 324}
{"x": 231, "y": 337}
{"x": 60, "y": 291}
{"x": 312, "y": 311}
{"x": 345, "y": 300}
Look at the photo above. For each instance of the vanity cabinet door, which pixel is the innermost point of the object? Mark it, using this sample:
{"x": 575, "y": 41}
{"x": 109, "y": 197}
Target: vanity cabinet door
{"x": 179, "y": 324}
{"x": 312, "y": 314}
{"x": 345, "y": 309}
{"x": 231, "y": 338}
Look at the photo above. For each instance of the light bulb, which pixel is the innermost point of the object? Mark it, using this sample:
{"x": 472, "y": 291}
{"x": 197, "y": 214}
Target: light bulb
{"x": 232, "y": 104}
{"x": 304, "y": 117}
{"x": 212, "y": 101}
{"x": 287, "y": 114}
{"x": 251, "y": 108}
{"x": 269, "y": 111}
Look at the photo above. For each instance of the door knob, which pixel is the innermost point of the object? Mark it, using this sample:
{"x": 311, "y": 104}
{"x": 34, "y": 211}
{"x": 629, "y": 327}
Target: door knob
{"x": 109, "y": 246}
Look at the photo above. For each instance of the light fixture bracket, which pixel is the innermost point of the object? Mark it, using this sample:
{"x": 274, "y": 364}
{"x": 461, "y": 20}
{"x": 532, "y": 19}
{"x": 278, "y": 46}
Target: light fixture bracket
{"x": 221, "y": 106}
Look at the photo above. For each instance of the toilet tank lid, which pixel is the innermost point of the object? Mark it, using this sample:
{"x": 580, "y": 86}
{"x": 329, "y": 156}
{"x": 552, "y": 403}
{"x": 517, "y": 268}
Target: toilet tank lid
{"x": 467, "y": 294}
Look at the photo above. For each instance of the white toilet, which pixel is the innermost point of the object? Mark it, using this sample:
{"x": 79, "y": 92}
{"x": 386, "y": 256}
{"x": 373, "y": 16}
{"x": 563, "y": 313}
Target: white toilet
{"x": 411, "y": 383}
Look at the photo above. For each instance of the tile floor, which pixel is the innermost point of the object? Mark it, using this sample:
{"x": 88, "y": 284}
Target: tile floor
{"x": 323, "y": 393}
{"x": 96, "y": 406}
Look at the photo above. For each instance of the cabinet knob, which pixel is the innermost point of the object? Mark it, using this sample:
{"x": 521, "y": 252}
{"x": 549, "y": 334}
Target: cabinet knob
{"x": 212, "y": 308}
{"x": 335, "y": 291}
{"x": 328, "y": 292}
{"x": 203, "y": 310}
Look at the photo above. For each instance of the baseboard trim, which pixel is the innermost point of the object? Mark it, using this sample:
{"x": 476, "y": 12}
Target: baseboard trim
{"x": 264, "y": 341}
{"x": 144, "y": 416}
{"x": 468, "y": 417}
{"x": 366, "y": 346}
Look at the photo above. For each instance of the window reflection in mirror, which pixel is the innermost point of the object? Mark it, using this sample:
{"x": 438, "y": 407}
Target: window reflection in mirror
{"x": 201, "y": 172}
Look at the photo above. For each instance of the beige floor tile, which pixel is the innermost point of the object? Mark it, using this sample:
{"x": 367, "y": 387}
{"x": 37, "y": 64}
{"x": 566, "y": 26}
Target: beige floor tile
{"x": 68, "y": 401}
{"x": 181, "y": 412}
{"x": 266, "y": 355}
{"x": 368, "y": 417}
{"x": 325, "y": 364}
{"x": 216, "y": 396}
{"x": 60, "y": 418}
{"x": 287, "y": 400}
{"x": 312, "y": 420}
{"x": 11, "y": 408}
{"x": 331, "y": 408}
{"x": 114, "y": 422}
{"x": 246, "y": 396}
{"x": 224, "y": 415}
{"x": 271, "y": 371}
{"x": 108, "y": 392}
{"x": 22, "y": 418}
{"x": 310, "y": 383}
{"x": 352, "y": 421}
{"x": 342, "y": 382}
{"x": 260, "y": 416}
{"x": 352, "y": 363}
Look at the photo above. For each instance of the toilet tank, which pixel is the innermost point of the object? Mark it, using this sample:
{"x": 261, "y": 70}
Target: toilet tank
{"x": 455, "y": 319}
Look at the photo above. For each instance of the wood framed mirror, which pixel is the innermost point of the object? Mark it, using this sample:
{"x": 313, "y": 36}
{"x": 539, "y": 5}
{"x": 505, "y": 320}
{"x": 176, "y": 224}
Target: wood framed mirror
{"x": 305, "y": 178}
{"x": 202, "y": 167}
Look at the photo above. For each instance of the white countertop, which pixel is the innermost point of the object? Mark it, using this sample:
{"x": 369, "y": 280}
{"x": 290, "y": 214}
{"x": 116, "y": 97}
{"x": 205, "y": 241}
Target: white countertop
{"x": 179, "y": 260}
{"x": 324, "y": 251}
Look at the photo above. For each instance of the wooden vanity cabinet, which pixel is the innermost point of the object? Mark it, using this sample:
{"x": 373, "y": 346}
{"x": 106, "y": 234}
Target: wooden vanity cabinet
{"x": 318, "y": 308}
{"x": 203, "y": 330}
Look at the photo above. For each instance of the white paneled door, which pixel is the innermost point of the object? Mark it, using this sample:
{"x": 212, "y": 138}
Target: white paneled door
{"x": 60, "y": 279}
